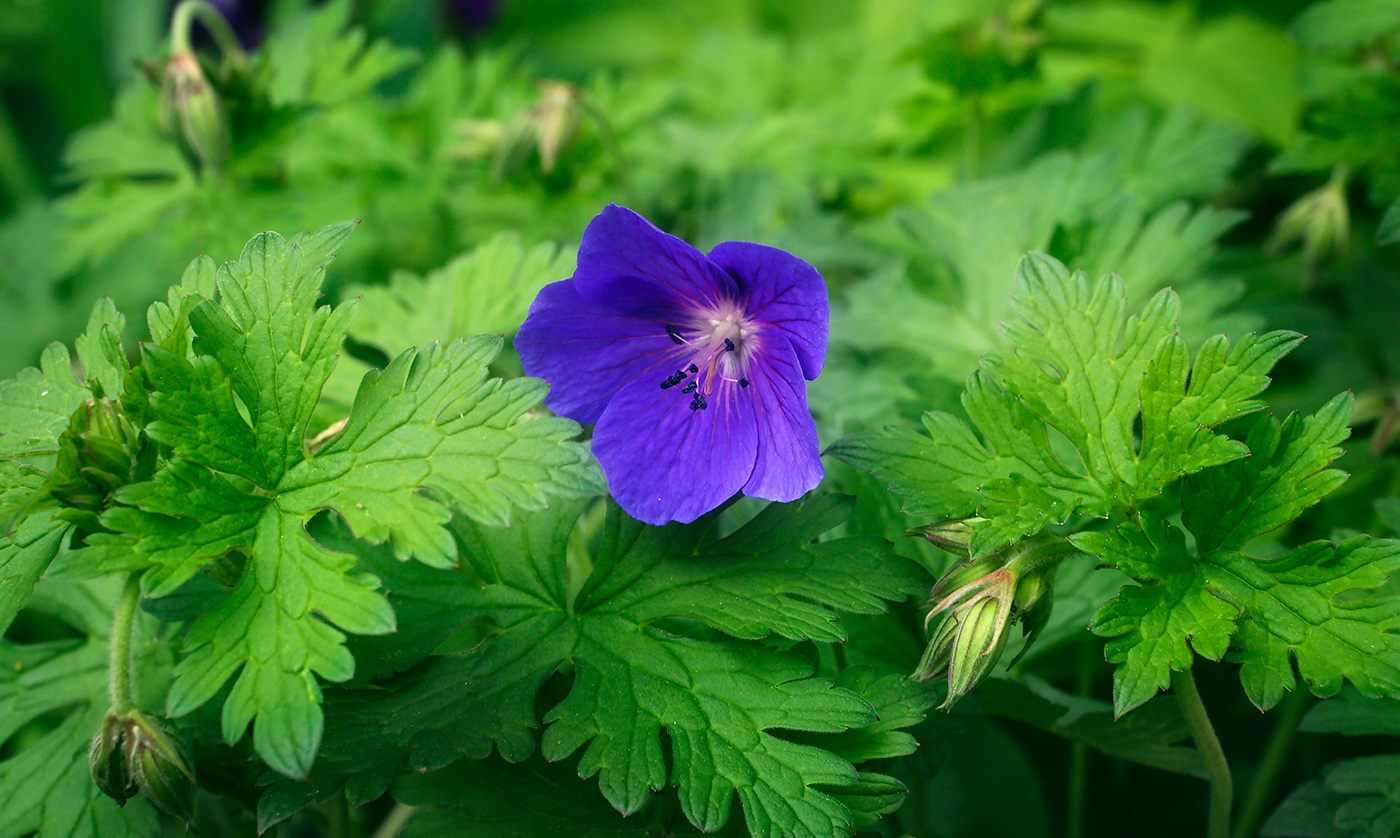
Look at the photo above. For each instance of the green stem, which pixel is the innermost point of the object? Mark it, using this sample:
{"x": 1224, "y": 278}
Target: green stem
{"x": 972, "y": 138}
{"x": 1261, "y": 790}
{"x": 18, "y": 175}
{"x": 396, "y": 820}
{"x": 1078, "y": 791}
{"x": 119, "y": 667}
{"x": 1218, "y": 769}
{"x": 338, "y": 816}
{"x": 185, "y": 15}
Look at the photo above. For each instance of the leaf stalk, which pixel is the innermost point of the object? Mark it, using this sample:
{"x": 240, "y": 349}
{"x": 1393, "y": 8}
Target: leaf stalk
{"x": 1217, "y": 767}
{"x": 119, "y": 680}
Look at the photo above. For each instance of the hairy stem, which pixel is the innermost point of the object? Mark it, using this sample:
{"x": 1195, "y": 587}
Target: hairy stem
{"x": 1218, "y": 769}
{"x": 1261, "y": 789}
{"x": 395, "y": 821}
{"x": 119, "y": 667}
{"x": 185, "y": 15}
{"x": 338, "y": 816}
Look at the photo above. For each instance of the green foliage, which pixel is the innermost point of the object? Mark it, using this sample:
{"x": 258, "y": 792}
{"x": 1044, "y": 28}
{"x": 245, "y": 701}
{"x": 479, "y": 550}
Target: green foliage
{"x": 639, "y": 665}
{"x": 1079, "y": 368}
{"x": 234, "y": 410}
{"x": 45, "y": 787}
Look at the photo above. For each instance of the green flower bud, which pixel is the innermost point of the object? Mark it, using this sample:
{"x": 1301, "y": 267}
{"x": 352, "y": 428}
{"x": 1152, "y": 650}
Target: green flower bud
{"x": 192, "y": 113}
{"x": 953, "y": 536}
{"x": 158, "y": 767}
{"x": 979, "y": 602}
{"x": 107, "y": 760}
{"x": 1320, "y": 221}
{"x": 100, "y": 452}
{"x": 977, "y": 646}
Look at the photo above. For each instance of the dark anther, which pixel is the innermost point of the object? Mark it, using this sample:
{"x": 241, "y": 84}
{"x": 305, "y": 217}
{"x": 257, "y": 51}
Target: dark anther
{"x": 673, "y": 379}
{"x": 694, "y": 368}
{"x": 690, "y": 388}
{"x": 698, "y": 402}
{"x": 743, "y": 382}
{"x": 728, "y": 345}
{"x": 674, "y": 334}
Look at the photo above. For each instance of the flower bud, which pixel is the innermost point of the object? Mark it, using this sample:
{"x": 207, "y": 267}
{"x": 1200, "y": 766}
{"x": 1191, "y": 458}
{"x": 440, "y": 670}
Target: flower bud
{"x": 979, "y": 602}
{"x": 1320, "y": 221}
{"x": 192, "y": 113}
{"x": 154, "y": 760}
{"x": 977, "y": 647}
{"x": 107, "y": 761}
{"x": 953, "y": 536}
{"x": 100, "y": 452}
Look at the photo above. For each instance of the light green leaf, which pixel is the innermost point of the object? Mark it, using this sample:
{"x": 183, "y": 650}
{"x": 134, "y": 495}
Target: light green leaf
{"x": 428, "y": 434}
{"x": 1077, "y": 371}
{"x": 1156, "y": 626}
{"x": 24, "y": 556}
{"x": 1344, "y": 23}
{"x": 1302, "y": 609}
{"x": 486, "y": 290}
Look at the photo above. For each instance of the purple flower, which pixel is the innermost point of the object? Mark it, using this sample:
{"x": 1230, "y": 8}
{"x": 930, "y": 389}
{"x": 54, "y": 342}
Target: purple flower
{"x": 693, "y": 367}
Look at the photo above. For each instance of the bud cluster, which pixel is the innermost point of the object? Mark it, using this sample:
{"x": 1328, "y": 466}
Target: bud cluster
{"x": 132, "y": 754}
{"x": 979, "y": 599}
{"x": 100, "y": 452}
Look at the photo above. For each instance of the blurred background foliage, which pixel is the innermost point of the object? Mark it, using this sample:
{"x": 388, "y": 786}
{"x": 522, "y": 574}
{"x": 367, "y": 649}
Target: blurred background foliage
{"x": 1246, "y": 152}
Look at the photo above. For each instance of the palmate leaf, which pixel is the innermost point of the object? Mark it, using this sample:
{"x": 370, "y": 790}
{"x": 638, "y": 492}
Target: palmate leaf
{"x": 1079, "y": 369}
{"x": 45, "y": 787}
{"x": 1301, "y": 608}
{"x": 428, "y": 423}
{"x": 720, "y": 700}
{"x": 36, "y": 407}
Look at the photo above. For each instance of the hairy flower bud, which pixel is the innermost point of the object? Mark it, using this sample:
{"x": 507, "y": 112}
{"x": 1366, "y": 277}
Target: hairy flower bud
{"x": 100, "y": 452}
{"x": 977, "y": 647}
{"x": 132, "y": 753}
{"x": 953, "y": 536}
{"x": 107, "y": 760}
{"x": 156, "y": 764}
{"x": 979, "y": 601}
{"x": 192, "y": 113}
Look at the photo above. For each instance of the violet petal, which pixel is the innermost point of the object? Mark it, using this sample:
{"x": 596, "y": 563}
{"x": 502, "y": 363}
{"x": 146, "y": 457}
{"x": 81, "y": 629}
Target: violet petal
{"x": 628, "y": 264}
{"x": 783, "y": 293}
{"x": 789, "y": 461}
{"x": 666, "y": 462}
{"x": 588, "y": 352}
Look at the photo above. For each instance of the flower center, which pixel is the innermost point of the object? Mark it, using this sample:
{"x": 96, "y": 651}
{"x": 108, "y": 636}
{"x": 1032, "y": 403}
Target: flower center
{"x": 714, "y": 347}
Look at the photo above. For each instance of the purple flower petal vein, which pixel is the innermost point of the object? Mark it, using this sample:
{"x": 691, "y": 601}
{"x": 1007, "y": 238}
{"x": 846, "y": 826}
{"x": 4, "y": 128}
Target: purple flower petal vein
{"x": 692, "y": 367}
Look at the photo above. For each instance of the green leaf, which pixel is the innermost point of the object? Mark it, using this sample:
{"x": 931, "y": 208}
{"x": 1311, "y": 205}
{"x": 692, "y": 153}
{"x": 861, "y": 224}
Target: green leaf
{"x": 1353, "y": 714}
{"x": 24, "y": 555}
{"x": 1285, "y": 474}
{"x": 493, "y": 798}
{"x": 1148, "y": 735}
{"x": 1358, "y": 798}
{"x": 1076, "y": 371}
{"x": 1389, "y": 230}
{"x": 1157, "y": 625}
{"x": 45, "y": 786}
{"x": 1303, "y": 608}
{"x": 1344, "y": 23}
{"x": 320, "y": 59}
{"x": 426, "y": 435}
{"x": 720, "y": 698}
{"x": 37, "y": 404}
{"x": 486, "y": 290}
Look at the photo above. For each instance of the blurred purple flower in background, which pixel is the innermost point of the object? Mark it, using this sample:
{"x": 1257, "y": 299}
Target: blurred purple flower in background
{"x": 693, "y": 367}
